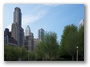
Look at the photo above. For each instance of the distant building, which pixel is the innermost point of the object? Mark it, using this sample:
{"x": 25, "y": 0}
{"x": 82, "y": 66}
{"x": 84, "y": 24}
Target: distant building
{"x": 8, "y": 40}
{"x": 17, "y": 31}
{"x": 36, "y": 41}
{"x": 28, "y": 39}
{"x": 41, "y": 34}
{"x": 81, "y": 23}
{"x": 6, "y": 36}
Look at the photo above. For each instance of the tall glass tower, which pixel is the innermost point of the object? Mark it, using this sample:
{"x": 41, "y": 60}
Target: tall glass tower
{"x": 41, "y": 34}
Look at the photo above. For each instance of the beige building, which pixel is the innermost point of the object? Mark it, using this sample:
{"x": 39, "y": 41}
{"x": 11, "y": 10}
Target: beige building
{"x": 36, "y": 41}
{"x": 28, "y": 39}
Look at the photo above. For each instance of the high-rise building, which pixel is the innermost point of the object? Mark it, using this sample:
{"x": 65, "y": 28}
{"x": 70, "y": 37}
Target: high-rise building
{"x": 36, "y": 41}
{"x": 41, "y": 34}
{"x": 28, "y": 39}
{"x": 6, "y": 36}
{"x": 17, "y": 31}
{"x": 81, "y": 23}
{"x": 8, "y": 40}
{"x": 27, "y": 31}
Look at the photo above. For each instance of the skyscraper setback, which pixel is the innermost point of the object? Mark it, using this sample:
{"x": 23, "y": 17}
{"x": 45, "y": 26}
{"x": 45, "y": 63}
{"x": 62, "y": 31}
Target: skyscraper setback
{"x": 17, "y": 31}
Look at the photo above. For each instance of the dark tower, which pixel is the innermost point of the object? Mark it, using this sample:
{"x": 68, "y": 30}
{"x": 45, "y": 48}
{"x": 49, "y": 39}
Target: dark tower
{"x": 17, "y": 16}
{"x": 17, "y": 31}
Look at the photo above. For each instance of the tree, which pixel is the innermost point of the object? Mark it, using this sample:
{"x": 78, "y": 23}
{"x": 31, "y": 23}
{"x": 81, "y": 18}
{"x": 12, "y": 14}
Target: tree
{"x": 7, "y": 53}
{"x": 69, "y": 40}
{"x": 31, "y": 55}
{"x": 48, "y": 48}
{"x": 24, "y": 54}
{"x": 10, "y": 53}
{"x": 41, "y": 50}
{"x": 81, "y": 43}
{"x": 13, "y": 53}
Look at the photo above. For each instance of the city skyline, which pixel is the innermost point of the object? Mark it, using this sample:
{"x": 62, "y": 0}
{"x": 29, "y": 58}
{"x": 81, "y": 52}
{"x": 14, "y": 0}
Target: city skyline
{"x": 50, "y": 17}
{"x": 46, "y": 46}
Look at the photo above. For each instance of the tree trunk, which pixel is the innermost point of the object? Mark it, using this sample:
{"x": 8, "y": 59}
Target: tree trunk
{"x": 50, "y": 56}
{"x": 72, "y": 58}
{"x": 43, "y": 58}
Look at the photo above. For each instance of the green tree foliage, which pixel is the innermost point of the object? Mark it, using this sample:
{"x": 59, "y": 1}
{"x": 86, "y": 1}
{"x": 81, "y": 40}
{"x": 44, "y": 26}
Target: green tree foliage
{"x": 7, "y": 53}
{"x": 48, "y": 49}
{"x": 12, "y": 53}
{"x": 69, "y": 40}
{"x": 41, "y": 50}
{"x": 24, "y": 54}
{"x": 81, "y": 42}
{"x": 31, "y": 56}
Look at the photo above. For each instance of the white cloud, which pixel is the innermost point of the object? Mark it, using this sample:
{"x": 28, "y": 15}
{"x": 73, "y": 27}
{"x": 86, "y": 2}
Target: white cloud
{"x": 35, "y": 15}
{"x": 32, "y": 18}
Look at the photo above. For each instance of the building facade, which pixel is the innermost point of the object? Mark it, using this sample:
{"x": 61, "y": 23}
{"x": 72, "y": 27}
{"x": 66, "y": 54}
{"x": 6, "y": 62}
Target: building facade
{"x": 8, "y": 40}
{"x": 41, "y": 34}
{"x": 81, "y": 23}
{"x": 28, "y": 39}
{"x": 36, "y": 41}
{"x": 17, "y": 31}
{"x": 6, "y": 36}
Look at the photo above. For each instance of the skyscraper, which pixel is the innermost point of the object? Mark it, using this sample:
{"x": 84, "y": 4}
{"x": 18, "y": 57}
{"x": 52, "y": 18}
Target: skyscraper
{"x": 17, "y": 31}
{"x": 81, "y": 23}
{"x": 6, "y": 36}
{"x": 8, "y": 40}
{"x": 27, "y": 31}
{"x": 41, "y": 34}
{"x": 28, "y": 39}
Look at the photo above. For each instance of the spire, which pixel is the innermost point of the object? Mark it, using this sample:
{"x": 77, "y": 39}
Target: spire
{"x": 27, "y": 31}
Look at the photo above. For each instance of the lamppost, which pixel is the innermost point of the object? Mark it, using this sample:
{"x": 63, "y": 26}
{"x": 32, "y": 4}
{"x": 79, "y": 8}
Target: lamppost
{"x": 28, "y": 55}
{"x": 77, "y": 53}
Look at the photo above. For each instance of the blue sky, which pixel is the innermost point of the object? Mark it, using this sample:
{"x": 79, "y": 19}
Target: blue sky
{"x": 50, "y": 17}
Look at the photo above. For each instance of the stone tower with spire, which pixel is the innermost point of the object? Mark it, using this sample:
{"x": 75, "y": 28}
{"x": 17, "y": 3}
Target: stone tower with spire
{"x": 28, "y": 39}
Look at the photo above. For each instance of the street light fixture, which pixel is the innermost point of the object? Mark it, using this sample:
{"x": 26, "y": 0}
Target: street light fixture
{"x": 28, "y": 55}
{"x": 77, "y": 53}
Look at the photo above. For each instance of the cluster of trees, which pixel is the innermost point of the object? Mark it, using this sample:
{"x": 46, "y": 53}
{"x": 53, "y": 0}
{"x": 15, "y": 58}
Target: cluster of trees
{"x": 71, "y": 38}
{"x": 12, "y": 53}
{"x": 50, "y": 49}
